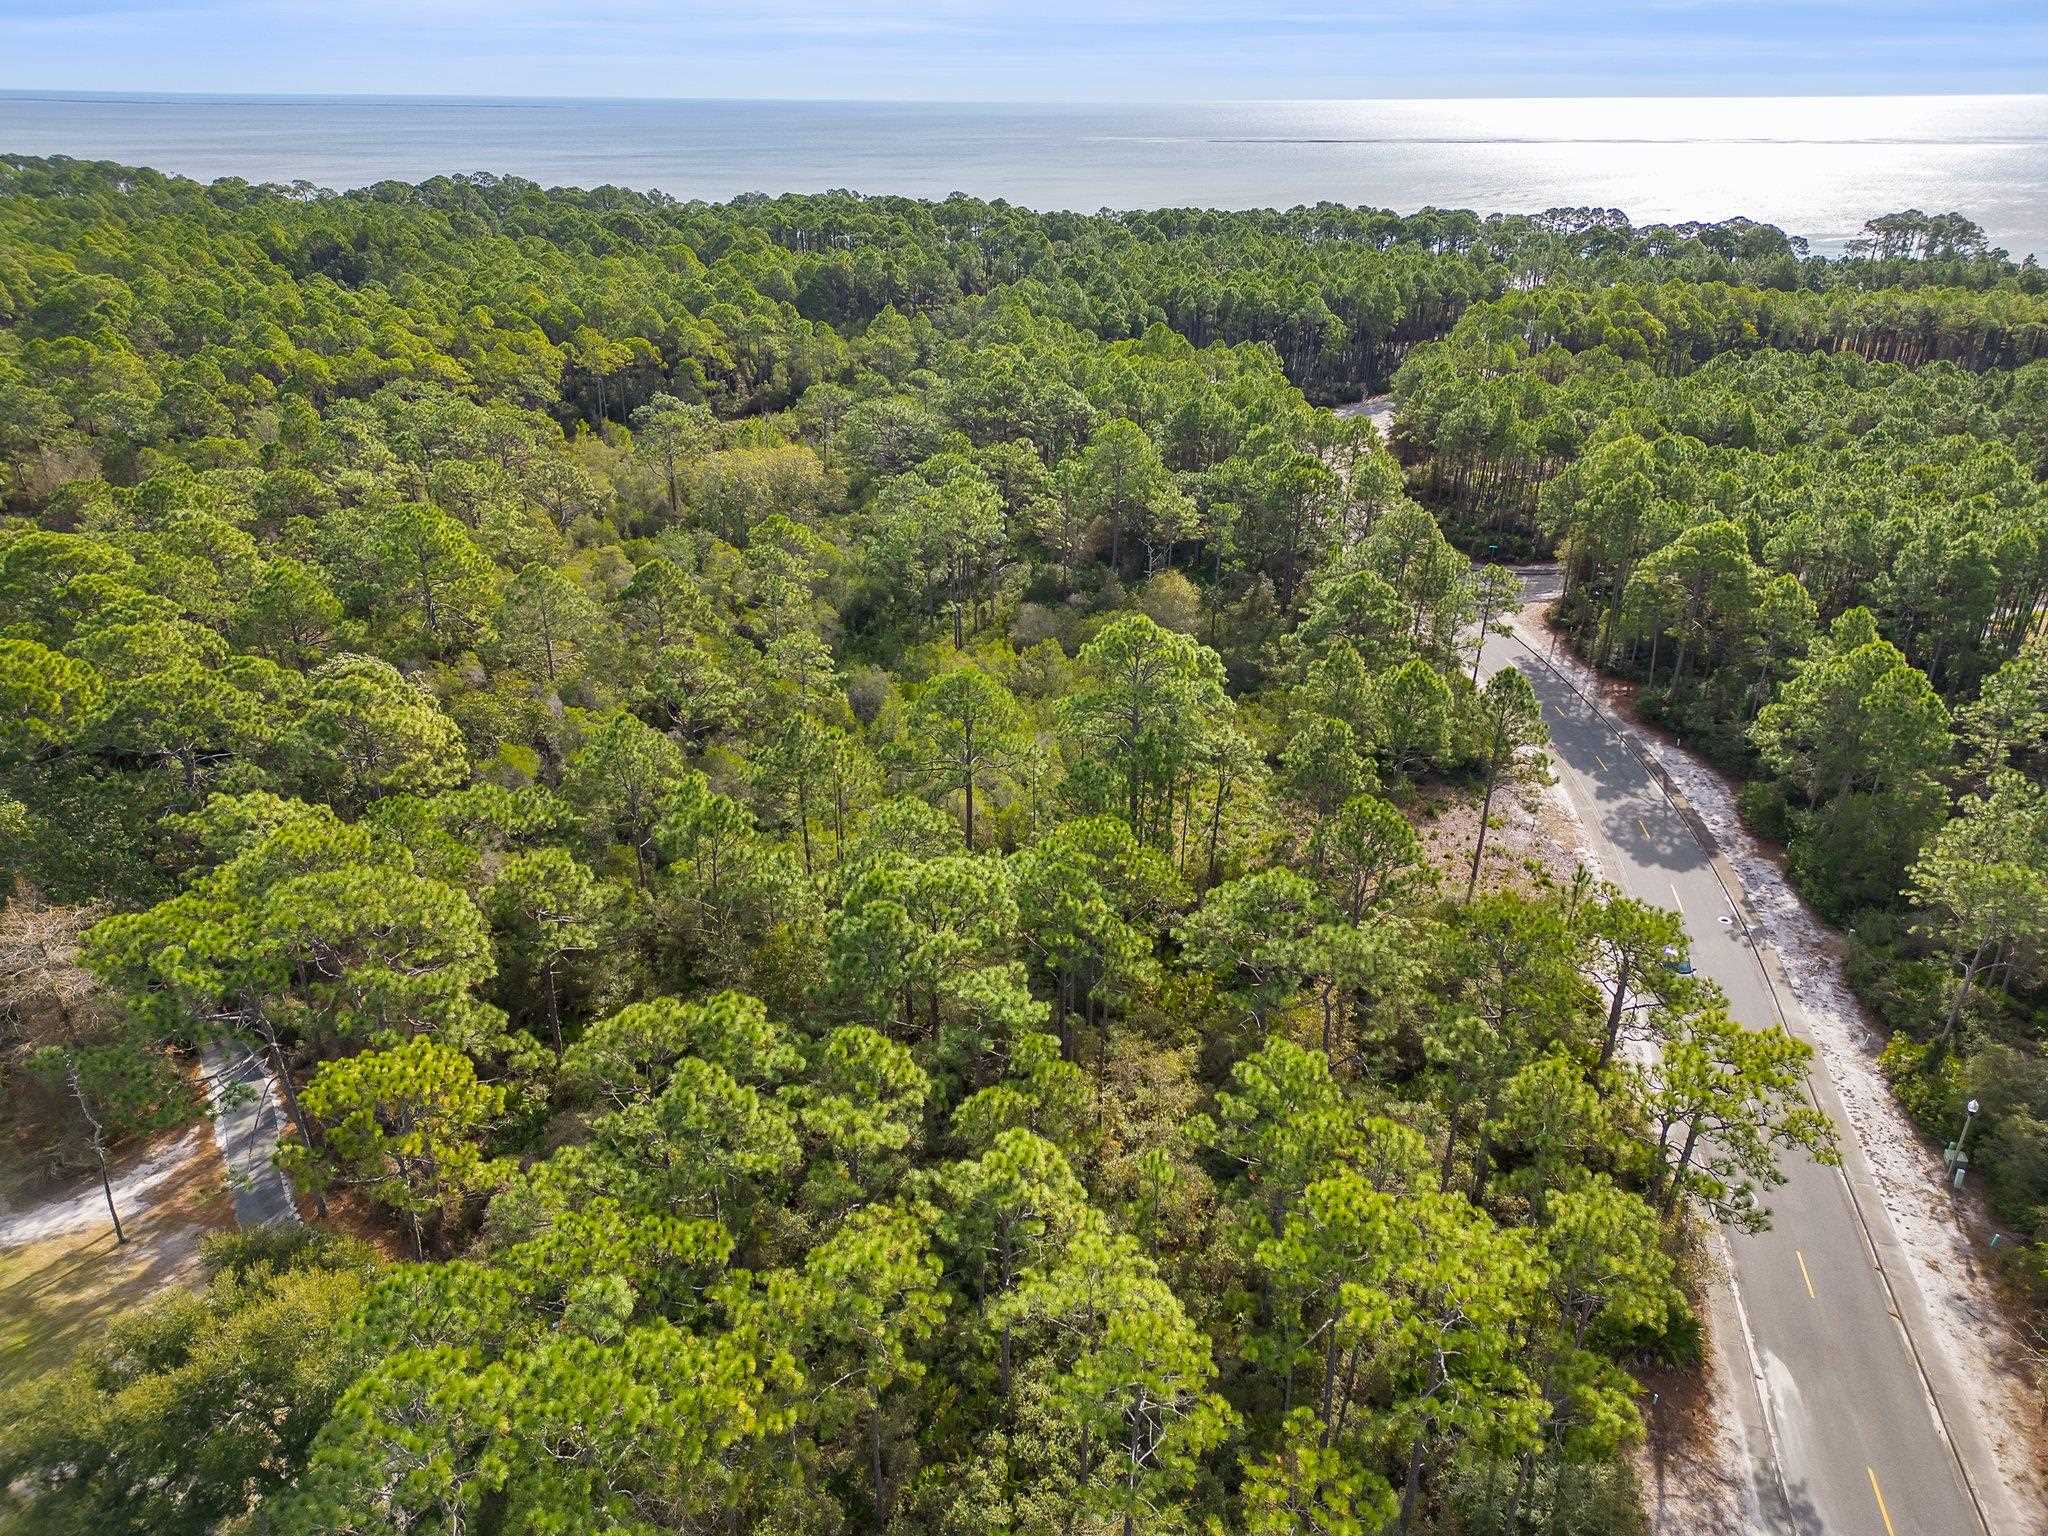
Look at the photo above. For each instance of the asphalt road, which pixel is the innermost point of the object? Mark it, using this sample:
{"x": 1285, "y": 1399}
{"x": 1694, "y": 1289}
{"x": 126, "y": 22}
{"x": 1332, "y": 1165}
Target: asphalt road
{"x": 247, "y": 1122}
{"x": 1850, "y": 1445}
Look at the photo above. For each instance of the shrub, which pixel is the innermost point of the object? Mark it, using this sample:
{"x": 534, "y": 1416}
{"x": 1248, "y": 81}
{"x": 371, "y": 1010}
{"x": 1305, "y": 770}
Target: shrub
{"x": 1932, "y": 1092}
{"x": 1764, "y": 810}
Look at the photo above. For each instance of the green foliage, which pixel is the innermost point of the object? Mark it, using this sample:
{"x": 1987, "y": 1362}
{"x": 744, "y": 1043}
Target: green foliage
{"x": 1928, "y": 1083}
{"x": 198, "y": 1409}
{"x": 407, "y": 1125}
{"x": 1726, "y": 1098}
{"x": 813, "y": 800}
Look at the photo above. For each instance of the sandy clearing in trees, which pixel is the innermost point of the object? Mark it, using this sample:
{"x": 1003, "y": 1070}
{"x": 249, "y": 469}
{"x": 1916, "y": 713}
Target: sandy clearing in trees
{"x": 62, "y": 1276}
{"x": 1377, "y": 409}
{"x": 82, "y": 1205}
{"x": 1535, "y": 838}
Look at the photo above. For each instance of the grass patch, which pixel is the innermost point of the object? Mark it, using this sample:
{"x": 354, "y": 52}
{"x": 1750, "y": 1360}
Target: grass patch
{"x": 58, "y": 1292}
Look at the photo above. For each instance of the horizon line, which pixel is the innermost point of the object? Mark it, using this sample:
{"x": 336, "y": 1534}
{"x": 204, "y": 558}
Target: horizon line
{"x": 59, "y": 93}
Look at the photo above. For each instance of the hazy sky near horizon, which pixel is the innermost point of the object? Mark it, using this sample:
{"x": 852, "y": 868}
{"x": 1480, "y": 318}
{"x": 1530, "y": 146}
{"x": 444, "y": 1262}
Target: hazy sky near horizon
{"x": 1045, "y": 50}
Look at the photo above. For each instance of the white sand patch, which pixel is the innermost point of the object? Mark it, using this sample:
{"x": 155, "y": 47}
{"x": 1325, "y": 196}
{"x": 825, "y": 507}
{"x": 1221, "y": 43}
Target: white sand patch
{"x": 85, "y": 1205}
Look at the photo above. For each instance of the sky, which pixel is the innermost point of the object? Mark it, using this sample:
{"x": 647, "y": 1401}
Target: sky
{"x": 1026, "y": 50}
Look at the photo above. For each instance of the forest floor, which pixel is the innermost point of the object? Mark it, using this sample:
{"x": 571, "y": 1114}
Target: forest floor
{"x": 1945, "y": 1236}
{"x": 1533, "y": 843}
{"x": 62, "y": 1275}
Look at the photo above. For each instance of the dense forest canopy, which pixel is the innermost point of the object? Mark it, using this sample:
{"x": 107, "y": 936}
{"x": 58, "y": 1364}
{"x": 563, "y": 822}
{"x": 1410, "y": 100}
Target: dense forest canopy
{"x": 816, "y": 804}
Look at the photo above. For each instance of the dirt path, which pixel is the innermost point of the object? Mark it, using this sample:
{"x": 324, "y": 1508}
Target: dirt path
{"x": 82, "y": 1205}
{"x": 62, "y": 1275}
{"x": 247, "y": 1121}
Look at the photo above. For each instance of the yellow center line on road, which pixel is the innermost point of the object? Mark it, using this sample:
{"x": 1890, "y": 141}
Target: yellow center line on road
{"x": 1884, "y": 1514}
{"x": 1601, "y": 761}
{"x": 1809, "y": 1288}
{"x": 1641, "y": 828}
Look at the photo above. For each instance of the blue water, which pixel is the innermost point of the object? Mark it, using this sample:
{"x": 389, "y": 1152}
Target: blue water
{"x": 1818, "y": 166}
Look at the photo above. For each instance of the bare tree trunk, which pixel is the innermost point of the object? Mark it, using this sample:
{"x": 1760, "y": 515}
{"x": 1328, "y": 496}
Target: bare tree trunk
{"x": 268, "y": 1030}
{"x": 1131, "y": 1481}
{"x": 967, "y": 774}
{"x": 1677, "y": 1184}
{"x": 99, "y": 1147}
{"x": 1329, "y": 1374}
{"x": 803, "y": 816}
{"x": 1614, "y": 1013}
{"x": 1485, "y": 810}
{"x": 1412, "y": 1488}
{"x": 1525, "y": 1477}
{"x": 1963, "y": 989}
{"x": 1215, "y": 825}
{"x": 554, "y": 1010}
{"x": 875, "y": 1458}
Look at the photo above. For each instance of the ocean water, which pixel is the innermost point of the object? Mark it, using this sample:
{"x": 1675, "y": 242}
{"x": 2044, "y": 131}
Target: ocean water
{"x": 1817, "y": 166}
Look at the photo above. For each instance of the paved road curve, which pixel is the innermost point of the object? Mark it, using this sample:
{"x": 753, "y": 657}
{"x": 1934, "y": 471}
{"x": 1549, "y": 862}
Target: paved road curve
{"x": 1849, "y": 1442}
